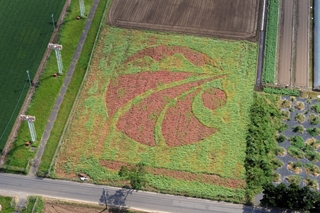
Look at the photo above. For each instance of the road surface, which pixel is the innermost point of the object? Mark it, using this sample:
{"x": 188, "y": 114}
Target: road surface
{"x": 18, "y": 185}
{"x": 302, "y": 44}
{"x": 286, "y": 34}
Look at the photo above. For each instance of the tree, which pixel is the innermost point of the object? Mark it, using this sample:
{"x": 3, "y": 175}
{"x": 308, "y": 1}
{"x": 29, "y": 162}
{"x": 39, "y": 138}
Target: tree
{"x": 136, "y": 175}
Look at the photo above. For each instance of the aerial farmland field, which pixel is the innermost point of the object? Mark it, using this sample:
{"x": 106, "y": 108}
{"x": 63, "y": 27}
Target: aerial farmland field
{"x": 26, "y": 27}
{"x": 177, "y": 103}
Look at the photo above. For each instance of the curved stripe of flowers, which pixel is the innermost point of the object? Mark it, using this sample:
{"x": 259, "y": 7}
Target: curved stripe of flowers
{"x": 216, "y": 119}
{"x": 127, "y": 106}
{"x": 158, "y": 131}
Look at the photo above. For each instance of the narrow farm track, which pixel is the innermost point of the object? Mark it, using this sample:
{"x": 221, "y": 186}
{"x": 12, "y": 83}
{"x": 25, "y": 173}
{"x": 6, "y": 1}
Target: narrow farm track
{"x": 59, "y": 100}
{"x": 302, "y": 50}
{"x": 286, "y": 33}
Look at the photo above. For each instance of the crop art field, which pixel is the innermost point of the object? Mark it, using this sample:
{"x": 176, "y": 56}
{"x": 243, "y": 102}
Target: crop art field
{"x": 179, "y": 104}
{"x": 26, "y": 27}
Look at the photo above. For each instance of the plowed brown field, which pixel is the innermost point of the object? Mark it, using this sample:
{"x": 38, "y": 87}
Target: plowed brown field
{"x": 234, "y": 19}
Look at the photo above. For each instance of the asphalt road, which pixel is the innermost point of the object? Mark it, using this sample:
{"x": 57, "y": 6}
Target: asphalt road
{"x": 302, "y": 45}
{"x": 286, "y": 34}
{"x": 18, "y": 185}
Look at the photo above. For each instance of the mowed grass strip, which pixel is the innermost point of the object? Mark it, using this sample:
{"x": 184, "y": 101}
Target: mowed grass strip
{"x": 92, "y": 134}
{"x": 26, "y": 28}
{"x": 45, "y": 96}
{"x": 72, "y": 92}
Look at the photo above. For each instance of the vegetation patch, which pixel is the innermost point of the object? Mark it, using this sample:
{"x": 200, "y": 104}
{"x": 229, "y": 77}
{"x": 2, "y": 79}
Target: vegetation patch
{"x": 313, "y": 142}
{"x": 276, "y": 177}
{"x": 296, "y": 167}
{"x": 314, "y": 131}
{"x": 295, "y": 152}
{"x": 312, "y": 169}
{"x": 280, "y": 151}
{"x": 282, "y": 91}
{"x": 285, "y": 114}
{"x": 297, "y": 141}
{"x": 316, "y": 108}
{"x": 300, "y": 117}
{"x": 298, "y": 129}
{"x": 314, "y": 119}
{"x": 271, "y": 42}
{"x": 285, "y": 103}
{"x": 313, "y": 184}
{"x": 281, "y": 138}
{"x": 276, "y": 163}
{"x": 299, "y": 105}
{"x": 294, "y": 179}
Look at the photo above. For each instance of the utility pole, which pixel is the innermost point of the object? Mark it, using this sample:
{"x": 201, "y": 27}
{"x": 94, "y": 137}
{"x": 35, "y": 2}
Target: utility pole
{"x": 57, "y": 48}
{"x": 30, "y": 120}
{"x": 82, "y": 8}
{"x": 53, "y": 21}
{"x": 29, "y": 78}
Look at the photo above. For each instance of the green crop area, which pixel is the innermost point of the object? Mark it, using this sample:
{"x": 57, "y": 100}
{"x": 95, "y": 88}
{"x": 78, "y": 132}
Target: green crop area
{"x": 26, "y": 28}
{"x": 178, "y": 104}
{"x": 271, "y": 42}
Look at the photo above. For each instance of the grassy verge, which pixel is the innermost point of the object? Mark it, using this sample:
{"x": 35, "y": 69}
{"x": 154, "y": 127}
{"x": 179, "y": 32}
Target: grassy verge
{"x": 49, "y": 87}
{"x": 271, "y": 42}
{"x": 5, "y": 203}
{"x": 282, "y": 91}
{"x": 72, "y": 92}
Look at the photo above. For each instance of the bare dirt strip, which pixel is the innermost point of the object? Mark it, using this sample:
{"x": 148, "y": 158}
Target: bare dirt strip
{"x": 285, "y": 60}
{"x": 302, "y": 44}
{"x": 234, "y": 19}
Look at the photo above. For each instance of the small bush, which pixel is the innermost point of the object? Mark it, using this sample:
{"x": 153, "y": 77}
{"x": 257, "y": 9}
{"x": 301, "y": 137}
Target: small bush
{"x": 276, "y": 177}
{"x": 298, "y": 128}
{"x": 285, "y": 114}
{"x": 297, "y": 141}
{"x": 295, "y": 166}
{"x": 295, "y": 152}
{"x": 283, "y": 127}
{"x": 300, "y": 117}
{"x": 312, "y": 155}
{"x": 312, "y": 169}
{"x": 280, "y": 151}
{"x": 314, "y": 119}
{"x": 316, "y": 108}
{"x": 281, "y": 138}
{"x": 313, "y": 131}
{"x": 294, "y": 179}
{"x": 311, "y": 183}
{"x": 313, "y": 142}
{"x": 285, "y": 104}
{"x": 276, "y": 163}
{"x": 299, "y": 105}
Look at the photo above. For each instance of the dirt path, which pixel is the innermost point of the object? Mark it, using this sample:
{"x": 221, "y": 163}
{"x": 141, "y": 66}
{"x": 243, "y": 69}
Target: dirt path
{"x": 286, "y": 43}
{"x": 302, "y": 44}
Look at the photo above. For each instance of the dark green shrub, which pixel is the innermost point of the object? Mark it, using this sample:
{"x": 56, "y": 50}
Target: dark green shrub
{"x": 297, "y": 141}
{"x": 314, "y": 119}
{"x": 313, "y": 131}
{"x": 295, "y": 152}
{"x": 276, "y": 163}
{"x": 312, "y": 155}
{"x": 298, "y": 128}
{"x": 281, "y": 138}
{"x": 283, "y": 127}
{"x": 316, "y": 108}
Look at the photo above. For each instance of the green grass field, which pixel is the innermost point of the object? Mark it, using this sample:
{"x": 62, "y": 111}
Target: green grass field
{"x": 46, "y": 94}
{"x": 26, "y": 28}
{"x": 97, "y": 144}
